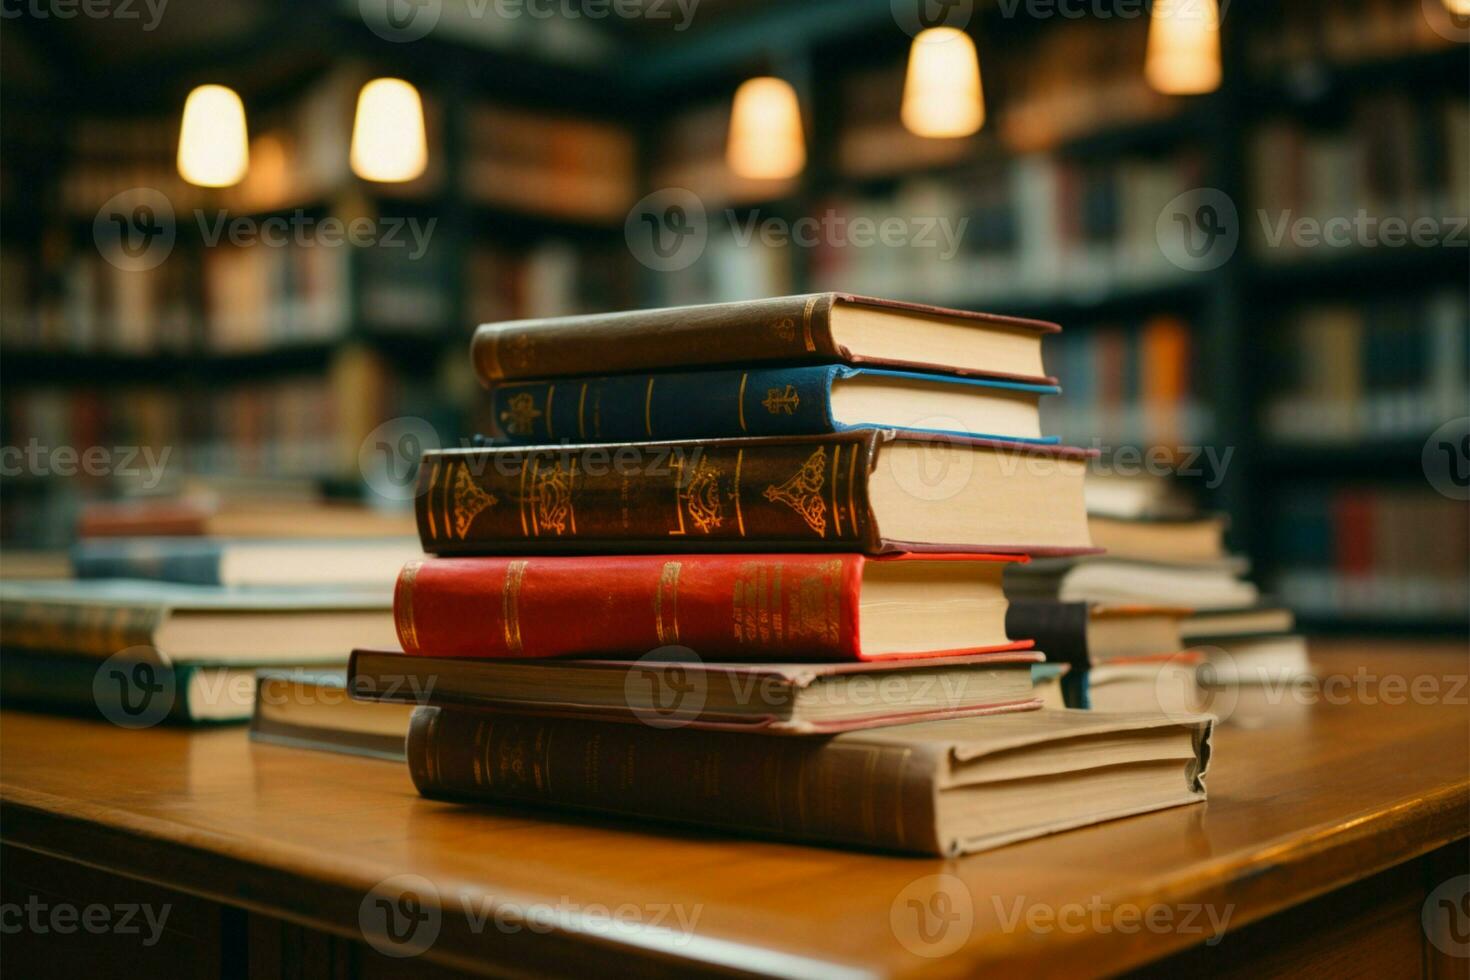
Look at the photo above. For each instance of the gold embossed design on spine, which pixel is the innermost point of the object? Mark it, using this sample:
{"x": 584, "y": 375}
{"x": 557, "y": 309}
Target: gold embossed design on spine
{"x": 806, "y": 323}
{"x": 469, "y": 501}
{"x": 802, "y": 492}
{"x": 408, "y": 634}
{"x": 666, "y": 603}
{"x": 510, "y": 598}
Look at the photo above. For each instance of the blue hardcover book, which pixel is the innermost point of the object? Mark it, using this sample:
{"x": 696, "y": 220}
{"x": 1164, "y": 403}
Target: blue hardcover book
{"x": 768, "y": 401}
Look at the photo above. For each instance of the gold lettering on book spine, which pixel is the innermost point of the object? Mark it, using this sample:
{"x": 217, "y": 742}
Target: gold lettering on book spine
{"x": 469, "y": 501}
{"x": 510, "y": 605}
{"x": 806, "y": 323}
{"x": 403, "y": 608}
{"x": 702, "y": 497}
{"x": 802, "y": 492}
{"x": 667, "y": 598}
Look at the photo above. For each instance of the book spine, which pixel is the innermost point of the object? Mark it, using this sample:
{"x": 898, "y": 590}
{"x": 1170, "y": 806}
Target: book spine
{"x": 723, "y": 607}
{"x": 685, "y": 405}
{"x": 797, "y": 495}
{"x": 91, "y": 630}
{"x": 1058, "y": 628}
{"x": 836, "y": 791}
{"x": 196, "y": 563}
{"x": 786, "y": 328}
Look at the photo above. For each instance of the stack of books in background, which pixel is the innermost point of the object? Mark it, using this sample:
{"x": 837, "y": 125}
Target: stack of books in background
{"x": 761, "y": 545}
{"x": 179, "y": 600}
{"x": 1166, "y": 598}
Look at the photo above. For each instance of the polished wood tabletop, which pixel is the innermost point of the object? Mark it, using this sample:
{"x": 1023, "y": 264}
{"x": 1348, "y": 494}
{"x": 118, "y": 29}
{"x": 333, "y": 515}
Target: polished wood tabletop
{"x": 1365, "y": 769}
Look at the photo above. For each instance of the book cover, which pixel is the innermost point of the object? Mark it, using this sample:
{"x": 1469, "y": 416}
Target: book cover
{"x": 943, "y": 787}
{"x": 771, "y": 401}
{"x": 791, "y": 493}
{"x": 788, "y": 329}
{"x": 770, "y": 698}
{"x": 744, "y": 607}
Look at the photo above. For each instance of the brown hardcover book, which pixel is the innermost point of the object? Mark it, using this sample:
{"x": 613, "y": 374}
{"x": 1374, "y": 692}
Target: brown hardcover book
{"x": 874, "y": 491}
{"x": 822, "y": 327}
{"x": 311, "y": 709}
{"x": 771, "y": 698}
{"x": 939, "y": 787}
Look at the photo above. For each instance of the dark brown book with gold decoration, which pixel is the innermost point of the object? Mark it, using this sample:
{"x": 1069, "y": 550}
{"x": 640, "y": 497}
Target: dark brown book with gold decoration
{"x": 939, "y": 787}
{"x": 871, "y": 490}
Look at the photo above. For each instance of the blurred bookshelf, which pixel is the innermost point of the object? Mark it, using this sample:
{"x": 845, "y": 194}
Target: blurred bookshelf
{"x": 1322, "y": 369}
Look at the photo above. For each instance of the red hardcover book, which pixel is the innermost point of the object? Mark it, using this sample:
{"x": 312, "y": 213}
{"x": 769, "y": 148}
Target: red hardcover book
{"x": 787, "y": 607}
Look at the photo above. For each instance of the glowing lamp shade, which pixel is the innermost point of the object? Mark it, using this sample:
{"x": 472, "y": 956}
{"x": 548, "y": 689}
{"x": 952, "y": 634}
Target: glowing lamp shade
{"x": 1184, "y": 47}
{"x": 941, "y": 92}
{"x": 1460, "y": 8}
{"x": 388, "y": 142}
{"x": 766, "y": 140}
{"x": 214, "y": 150}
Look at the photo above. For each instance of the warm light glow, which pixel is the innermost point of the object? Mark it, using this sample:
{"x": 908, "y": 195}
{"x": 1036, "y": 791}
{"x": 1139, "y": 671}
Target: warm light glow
{"x": 1460, "y": 8}
{"x": 766, "y": 140}
{"x": 214, "y": 150}
{"x": 388, "y": 142}
{"x": 941, "y": 93}
{"x": 1184, "y": 47}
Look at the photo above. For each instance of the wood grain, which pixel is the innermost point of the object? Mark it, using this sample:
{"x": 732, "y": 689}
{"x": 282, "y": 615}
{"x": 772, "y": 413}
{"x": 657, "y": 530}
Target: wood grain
{"x": 1304, "y": 799}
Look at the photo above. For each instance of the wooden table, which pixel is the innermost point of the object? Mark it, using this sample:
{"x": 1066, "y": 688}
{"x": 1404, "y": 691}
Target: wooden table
{"x": 1328, "y": 824}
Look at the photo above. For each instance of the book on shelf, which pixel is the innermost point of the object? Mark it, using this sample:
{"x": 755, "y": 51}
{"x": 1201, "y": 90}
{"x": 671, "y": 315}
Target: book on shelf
{"x": 312, "y": 709}
{"x": 1183, "y": 540}
{"x": 1394, "y": 553}
{"x": 246, "y": 562}
{"x": 798, "y": 698}
{"x": 943, "y": 787}
{"x": 797, "y": 400}
{"x": 192, "y": 623}
{"x": 792, "y": 329}
{"x": 1130, "y": 384}
{"x": 874, "y": 491}
{"x": 735, "y": 607}
{"x": 1323, "y": 31}
{"x": 1386, "y": 369}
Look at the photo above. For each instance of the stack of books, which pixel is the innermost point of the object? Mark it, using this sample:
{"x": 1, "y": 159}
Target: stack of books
{"x": 178, "y": 601}
{"x": 742, "y": 566}
{"x": 1165, "y": 596}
